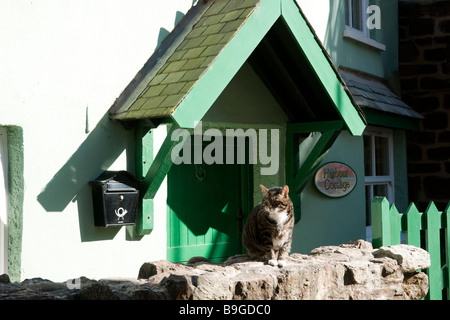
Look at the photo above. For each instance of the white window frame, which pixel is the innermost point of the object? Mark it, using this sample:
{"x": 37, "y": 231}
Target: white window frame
{"x": 386, "y": 179}
{"x": 362, "y": 36}
{"x": 371, "y": 181}
{"x": 3, "y": 201}
{"x": 364, "y": 4}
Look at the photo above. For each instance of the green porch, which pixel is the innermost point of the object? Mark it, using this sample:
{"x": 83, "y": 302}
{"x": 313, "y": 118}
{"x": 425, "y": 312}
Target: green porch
{"x": 232, "y": 64}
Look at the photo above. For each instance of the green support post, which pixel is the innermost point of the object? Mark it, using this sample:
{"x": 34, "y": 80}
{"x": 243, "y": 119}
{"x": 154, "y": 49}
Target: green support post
{"x": 297, "y": 178}
{"x": 144, "y": 160}
{"x": 314, "y": 159}
{"x": 151, "y": 171}
{"x": 160, "y": 166}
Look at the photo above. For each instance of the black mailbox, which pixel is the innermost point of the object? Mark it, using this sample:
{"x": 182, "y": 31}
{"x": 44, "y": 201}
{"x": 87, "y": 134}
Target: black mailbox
{"x": 116, "y": 197}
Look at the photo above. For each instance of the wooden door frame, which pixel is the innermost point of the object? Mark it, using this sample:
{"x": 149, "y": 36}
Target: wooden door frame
{"x": 244, "y": 196}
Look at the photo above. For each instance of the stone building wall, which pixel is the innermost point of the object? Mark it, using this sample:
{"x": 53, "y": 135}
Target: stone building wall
{"x": 424, "y": 69}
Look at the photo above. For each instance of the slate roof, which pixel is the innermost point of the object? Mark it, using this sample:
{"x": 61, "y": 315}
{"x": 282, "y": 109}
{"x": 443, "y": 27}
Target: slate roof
{"x": 175, "y": 72}
{"x": 371, "y": 92}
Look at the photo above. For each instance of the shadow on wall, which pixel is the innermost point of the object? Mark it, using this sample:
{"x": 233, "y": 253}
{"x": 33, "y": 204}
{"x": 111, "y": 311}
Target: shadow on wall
{"x": 95, "y": 155}
{"x": 71, "y": 183}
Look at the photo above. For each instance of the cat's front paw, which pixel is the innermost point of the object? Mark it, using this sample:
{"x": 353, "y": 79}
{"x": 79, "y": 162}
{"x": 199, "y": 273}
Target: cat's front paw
{"x": 273, "y": 262}
{"x": 281, "y": 263}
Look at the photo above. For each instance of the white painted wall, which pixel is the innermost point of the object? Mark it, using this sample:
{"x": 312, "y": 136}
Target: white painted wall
{"x": 58, "y": 58}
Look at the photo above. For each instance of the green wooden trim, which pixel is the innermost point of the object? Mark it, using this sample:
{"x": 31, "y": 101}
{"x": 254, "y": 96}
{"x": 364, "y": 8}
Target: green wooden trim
{"x": 202, "y": 96}
{"x": 321, "y": 65}
{"x": 446, "y": 219}
{"x": 391, "y": 120}
{"x": 413, "y": 225}
{"x": 297, "y": 178}
{"x": 145, "y": 218}
{"x": 160, "y": 165}
{"x": 387, "y": 224}
{"x": 144, "y": 160}
{"x": 246, "y": 193}
{"x": 432, "y": 235}
{"x": 314, "y": 159}
{"x": 307, "y": 127}
{"x": 198, "y": 101}
{"x": 291, "y": 158}
{"x": 183, "y": 254}
{"x": 380, "y": 222}
{"x": 395, "y": 223}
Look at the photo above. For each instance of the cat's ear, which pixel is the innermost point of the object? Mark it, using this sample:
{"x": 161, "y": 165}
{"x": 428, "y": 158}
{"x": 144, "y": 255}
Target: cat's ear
{"x": 264, "y": 190}
{"x": 285, "y": 191}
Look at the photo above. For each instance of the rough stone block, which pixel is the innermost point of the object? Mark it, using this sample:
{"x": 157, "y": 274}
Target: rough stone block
{"x": 408, "y": 51}
{"x": 436, "y": 188}
{"x": 436, "y": 54}
{"x": 436, "y": 121}
{"x": 414, "y": 152}
{"x": 444, "y": 26}
{"x": 423, "y": 168}
{"x": 409, "y": 258}
{"x": 440, "y": 153}
{"x": 433, "y": 83}
{"x": 421, "y": 27}
{"x": 351, "y": 271}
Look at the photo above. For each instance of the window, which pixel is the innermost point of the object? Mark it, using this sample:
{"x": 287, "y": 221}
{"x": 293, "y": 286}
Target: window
{"x": 378, "y": 166}
{"x": 356, "y": 16}
{"x": 356, "y": 29}
{"x": 3, "y": 202}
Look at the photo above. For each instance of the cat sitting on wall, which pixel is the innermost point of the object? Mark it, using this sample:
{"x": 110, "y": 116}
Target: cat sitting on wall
{"x": 268, "y": 232}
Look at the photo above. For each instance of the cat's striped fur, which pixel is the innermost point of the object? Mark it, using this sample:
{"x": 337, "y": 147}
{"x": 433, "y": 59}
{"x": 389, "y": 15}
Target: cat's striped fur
{"x": 268, "y": 231}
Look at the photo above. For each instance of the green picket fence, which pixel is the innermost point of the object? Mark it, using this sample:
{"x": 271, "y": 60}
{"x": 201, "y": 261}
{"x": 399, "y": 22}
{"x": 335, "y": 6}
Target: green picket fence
{"x": 429, "y": 230}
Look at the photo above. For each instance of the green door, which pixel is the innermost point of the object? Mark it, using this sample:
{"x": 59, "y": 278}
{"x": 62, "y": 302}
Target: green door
{"x": 205, "y": 210}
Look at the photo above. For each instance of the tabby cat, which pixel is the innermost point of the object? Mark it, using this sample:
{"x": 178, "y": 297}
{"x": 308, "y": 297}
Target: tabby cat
{"x": 268, "y": 231}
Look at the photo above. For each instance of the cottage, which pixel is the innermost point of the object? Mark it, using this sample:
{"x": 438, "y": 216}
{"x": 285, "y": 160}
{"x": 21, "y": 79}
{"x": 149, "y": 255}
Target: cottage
{"x": 238, "y": 94}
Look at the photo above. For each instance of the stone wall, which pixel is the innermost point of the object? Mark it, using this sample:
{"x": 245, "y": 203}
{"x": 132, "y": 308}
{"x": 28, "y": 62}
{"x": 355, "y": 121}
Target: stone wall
{"x": 424, "y": 69}
{"x": 346, "y": 272}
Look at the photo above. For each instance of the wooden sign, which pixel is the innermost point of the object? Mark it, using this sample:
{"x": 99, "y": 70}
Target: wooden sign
{"x": 335, "y": 179}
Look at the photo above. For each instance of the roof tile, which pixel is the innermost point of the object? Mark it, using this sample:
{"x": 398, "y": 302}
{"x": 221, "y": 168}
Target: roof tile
{"x": 154, "y": 91}
{"x": 173, "y": 66}
{"x": 212, "y": 39}
{"x": 173, "y": 77}
{"x": 192, "y": 75}
{"x": 138, "y": 104}
{"x": 173, "y": 88}
{"x": 212, "y": 29}
{"x": 215, "y": 8}
{"x": 214, "y": 19}
{"x": 233, "y": 15}
{"x": 172, "y": 100}
{"x": 194, "y": 63}
{"x": 193, "y": 53}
